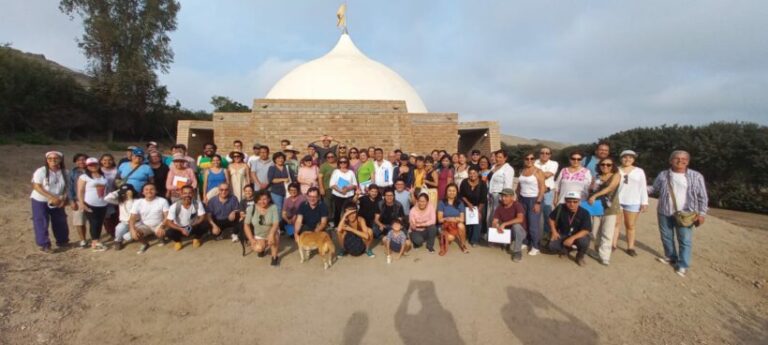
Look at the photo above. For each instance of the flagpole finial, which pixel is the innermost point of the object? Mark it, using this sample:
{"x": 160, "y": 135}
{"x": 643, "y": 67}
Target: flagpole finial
{"x": 341, "y": 18}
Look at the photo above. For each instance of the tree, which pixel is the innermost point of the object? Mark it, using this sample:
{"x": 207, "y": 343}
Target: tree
{"x": 224, "y": 104}
{"x": 126, "y": 41}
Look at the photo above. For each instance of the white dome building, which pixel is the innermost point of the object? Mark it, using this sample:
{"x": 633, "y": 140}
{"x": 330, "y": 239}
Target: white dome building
{"x": 345, "y": 73}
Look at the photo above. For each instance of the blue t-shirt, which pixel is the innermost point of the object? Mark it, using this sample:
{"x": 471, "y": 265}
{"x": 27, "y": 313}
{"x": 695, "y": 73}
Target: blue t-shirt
{"x": 138, "y": 178}
{"x": 450, "y": 210}
{"x": 592, "y": 163}
{"x": 221, "y": 210}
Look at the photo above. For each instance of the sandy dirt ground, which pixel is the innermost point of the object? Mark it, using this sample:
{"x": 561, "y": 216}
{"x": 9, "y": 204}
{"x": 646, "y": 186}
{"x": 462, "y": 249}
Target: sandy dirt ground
{"x": 213, "y": 295}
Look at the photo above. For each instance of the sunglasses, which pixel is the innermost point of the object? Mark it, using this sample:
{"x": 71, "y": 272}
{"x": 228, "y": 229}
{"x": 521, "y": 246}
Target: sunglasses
{"x": 626, "y": 179}
{"x": 529, "y": 158}
{"x": 576, "y": 159}
{"x": 261, "y": 220}
{"x": 606, "y": 165}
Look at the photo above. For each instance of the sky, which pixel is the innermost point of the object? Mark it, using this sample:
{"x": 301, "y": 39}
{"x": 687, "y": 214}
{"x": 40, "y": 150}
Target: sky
{"x": 571, "y": 71}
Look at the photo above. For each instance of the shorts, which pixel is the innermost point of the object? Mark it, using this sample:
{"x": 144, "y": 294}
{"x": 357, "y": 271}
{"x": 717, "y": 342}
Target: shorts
{"x": 394, "y": 246}
{"x": 630, "y": 208}
{"x": 78, "y": 217}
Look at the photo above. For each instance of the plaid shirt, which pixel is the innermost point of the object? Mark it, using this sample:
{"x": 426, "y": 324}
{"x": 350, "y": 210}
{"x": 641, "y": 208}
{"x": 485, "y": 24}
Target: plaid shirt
{"x": 696, "y": 198}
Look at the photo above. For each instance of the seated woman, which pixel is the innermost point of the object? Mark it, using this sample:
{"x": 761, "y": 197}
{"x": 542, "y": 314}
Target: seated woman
{"x": 422, "y": 220}
{"x": 354, "y": 235}
{"x": 450, "y": 214}
{"x": 261, "y": 222}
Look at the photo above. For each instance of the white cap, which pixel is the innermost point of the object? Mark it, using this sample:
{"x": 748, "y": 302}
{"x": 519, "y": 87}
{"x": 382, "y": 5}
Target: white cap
{"x": 573, "y": 195}
{"x": 92, "y": 160}
{"x": 628, "y": 153}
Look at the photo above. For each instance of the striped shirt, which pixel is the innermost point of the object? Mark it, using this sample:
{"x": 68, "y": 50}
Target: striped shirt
{"x": 696, "y": 197}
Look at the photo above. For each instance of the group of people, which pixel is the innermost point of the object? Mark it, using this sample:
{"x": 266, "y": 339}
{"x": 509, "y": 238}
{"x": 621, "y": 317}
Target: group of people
{"x": 364, "y": 195}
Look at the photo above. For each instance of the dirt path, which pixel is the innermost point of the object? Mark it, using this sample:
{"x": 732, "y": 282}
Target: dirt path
{"x": 212, "y": 295}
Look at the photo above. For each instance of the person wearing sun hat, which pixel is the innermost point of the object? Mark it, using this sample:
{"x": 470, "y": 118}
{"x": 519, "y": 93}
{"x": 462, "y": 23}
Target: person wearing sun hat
{"x": 633, "y": 197}
{"x": 291, "y": 159}
{"x": 91, "y": 190}
{"x": 179, "y": 175}
{"x": 49, "y": 196}
{"x": 239, "y": 173}
{"x": 571, "y": 225}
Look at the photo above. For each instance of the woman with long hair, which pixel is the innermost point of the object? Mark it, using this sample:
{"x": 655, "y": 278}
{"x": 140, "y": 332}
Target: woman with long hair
{"x": 91, "y": 190}
{"x": 49, "y": 197}
{"x": 343, "y": 186}
{"x": 213, "y": 177}
{"x": 531, "y": 190}
{"x": 450, "y": 214}
{"x": 633, "y": 197}
{"x": 78, "y": 215}
{"x": 239, "y": 174}
{"x": 160, "y": 171}
{"x": 279, "y": 175}
{"x": 261, "y": 224}
{"x": 605, "y": 191}
{"x": 461, "y": 170}
{"x": 122, "y": 198}
{"x": 444, "y": 176}
{"x": 354, "y": 158}
{"x": 355, "y": 236}
{"x": 109, "y": 170}
{"x": 308, "y": 176}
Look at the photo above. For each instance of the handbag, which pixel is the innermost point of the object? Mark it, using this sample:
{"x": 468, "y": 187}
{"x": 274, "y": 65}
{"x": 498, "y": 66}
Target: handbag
{"x": 683, "y": 219}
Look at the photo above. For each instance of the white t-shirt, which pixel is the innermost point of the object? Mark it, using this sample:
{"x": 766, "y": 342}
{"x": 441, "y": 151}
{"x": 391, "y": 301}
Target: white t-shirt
{"x": 633, "y": 188}
{"x": 150, "y": 212}
{"x": 383, "y": 173}
{"x": 252, "y": 160}
{"x": 549, "y": 167}
{"x": 55, "y": 184}
{"x": 95, "y": 190}
{"x": 680, "y": 187}
{"x": 350, "y": 179}
{"x": 185, "y": 214}
{"x": 502, "y": 178}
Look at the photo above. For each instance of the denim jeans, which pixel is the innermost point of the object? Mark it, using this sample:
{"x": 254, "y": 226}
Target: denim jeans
{"x": 473, "y": 233}
{"x": 278, "y": 200}
{"x": 534, "y": 221}
{"x": 669, "y": 230}
{"x": 546, "y": 209}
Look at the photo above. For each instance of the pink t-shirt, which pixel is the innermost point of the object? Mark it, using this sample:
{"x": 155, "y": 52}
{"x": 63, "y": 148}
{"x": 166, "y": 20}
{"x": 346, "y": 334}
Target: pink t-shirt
{"x": 175, "y": 188}
{"x": 427, "y": 216}
{"x": 307, "y": 178}
{"x": 291, "y": 205}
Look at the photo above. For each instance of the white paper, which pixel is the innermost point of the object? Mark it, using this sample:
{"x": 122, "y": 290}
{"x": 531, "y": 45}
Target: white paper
{"x": 496, "y": 237}
{"x": 472, "y": 216}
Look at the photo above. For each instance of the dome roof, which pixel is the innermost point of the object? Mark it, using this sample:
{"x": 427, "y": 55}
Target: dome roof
{"x": 346, "y": 73}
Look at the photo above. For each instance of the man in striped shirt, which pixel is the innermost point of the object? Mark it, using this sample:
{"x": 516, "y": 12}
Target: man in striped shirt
{"x": 690, "y": 195}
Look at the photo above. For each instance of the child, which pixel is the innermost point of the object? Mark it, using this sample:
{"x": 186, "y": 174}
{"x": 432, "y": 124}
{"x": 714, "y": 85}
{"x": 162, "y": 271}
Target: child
{"x": 123, "y": 197}
{"x": 397, "y": 240}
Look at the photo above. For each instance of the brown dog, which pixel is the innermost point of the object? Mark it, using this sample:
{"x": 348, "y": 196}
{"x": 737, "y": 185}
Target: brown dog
{"x": 309, "y": 241}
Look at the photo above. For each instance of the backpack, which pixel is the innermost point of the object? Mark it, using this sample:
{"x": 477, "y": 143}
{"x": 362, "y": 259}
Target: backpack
{"x": 177, "y": 211}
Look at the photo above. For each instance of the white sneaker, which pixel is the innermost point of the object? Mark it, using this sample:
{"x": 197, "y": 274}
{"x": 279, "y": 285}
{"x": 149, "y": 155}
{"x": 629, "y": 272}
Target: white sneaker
{"x": 389, "y": 259}
{"x": 534, "y": 252}
{"x": 681, "y": 272}
{"x": 524, "y": 247}
{"x": 235, "y": 238}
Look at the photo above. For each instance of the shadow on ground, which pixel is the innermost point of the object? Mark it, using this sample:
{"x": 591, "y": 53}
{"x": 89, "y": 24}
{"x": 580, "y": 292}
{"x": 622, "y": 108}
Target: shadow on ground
{"x": 431, "y": 324}
{"x": 534, "y": 319}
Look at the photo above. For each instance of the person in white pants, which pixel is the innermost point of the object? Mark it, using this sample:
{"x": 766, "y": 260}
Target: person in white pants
{"x": 605, "y": 191}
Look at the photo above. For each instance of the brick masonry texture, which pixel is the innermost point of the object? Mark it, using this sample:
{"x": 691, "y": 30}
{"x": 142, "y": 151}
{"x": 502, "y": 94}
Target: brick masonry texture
{"x": 385, "y": 124}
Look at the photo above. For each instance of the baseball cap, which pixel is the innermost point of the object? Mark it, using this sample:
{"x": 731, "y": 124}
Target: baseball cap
{"x": 92, "y": 161}
{"x": 628, "y": 153}
{"x": 137, "y": 151}
{"x": 178, "y": 157}
{"x": 508, "y": 191}
{"x": 573, "y": 195}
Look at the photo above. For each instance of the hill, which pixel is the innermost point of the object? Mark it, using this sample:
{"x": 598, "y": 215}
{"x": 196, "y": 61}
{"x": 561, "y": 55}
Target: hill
{"x": 81, "y": 78}
{"x": 512, "y": 140}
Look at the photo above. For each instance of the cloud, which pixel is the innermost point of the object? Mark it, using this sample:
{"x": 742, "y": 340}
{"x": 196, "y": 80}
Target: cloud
{"x": 569, "y": 71}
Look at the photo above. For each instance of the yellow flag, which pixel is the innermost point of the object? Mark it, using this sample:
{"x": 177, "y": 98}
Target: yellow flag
{"x": 341, "y": 15}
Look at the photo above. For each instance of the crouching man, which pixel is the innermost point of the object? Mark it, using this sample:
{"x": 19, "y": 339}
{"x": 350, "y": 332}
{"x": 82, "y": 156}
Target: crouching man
{"x": 186, "y": 218}
{"x": 147, "y": 217}
{"x": 570, "y": 224}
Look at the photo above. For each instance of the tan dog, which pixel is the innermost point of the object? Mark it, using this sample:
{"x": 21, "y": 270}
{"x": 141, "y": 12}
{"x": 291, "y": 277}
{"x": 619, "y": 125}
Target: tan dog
{"x": 309, "y": 241}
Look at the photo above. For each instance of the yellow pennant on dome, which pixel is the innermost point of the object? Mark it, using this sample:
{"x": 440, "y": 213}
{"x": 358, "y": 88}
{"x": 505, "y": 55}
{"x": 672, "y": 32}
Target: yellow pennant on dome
{"x": 341, "y": 16}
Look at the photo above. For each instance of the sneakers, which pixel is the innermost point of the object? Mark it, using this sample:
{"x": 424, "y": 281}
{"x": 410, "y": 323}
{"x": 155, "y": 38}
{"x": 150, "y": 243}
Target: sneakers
{"x": 681, "y": 272}
{"x": 196, "y": 243}
{"x": 664, "y": 260}
{"x": 235, "y": 238}
{"x": 524, "y": 247}
{"x": 83, "y": 244}
{"x": 341, "y": 253}
{"x": 604, "y": 262}
{"x": 275, "y": 261}
{"x": 177, "y": 246}
{"x": 98, "y": 247}
{"x": 534, "y": 252}
{"x": 389, "y": 259}
{"x": 517, "y": 256}
{"x": 161, "y": 242}
{"x": 370, "y": 254}
{"x": 431, "y": 250}
{"x": 143, "y": 248}
{"x": 46, "y": 250}
{"x": 118, "y": 245}
{"x": 631, "y": 252}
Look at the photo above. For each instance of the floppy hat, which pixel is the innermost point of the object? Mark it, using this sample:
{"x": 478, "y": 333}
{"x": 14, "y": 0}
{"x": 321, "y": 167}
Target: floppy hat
{"x": 289, "y": 148}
